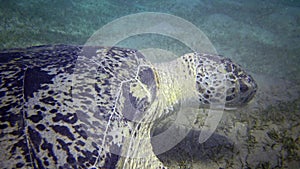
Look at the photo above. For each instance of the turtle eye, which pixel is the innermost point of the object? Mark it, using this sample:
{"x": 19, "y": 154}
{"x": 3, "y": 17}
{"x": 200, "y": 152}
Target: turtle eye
{"x": 243, "y": 88}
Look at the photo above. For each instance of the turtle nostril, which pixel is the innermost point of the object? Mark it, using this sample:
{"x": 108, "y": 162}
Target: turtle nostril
{"x": 243, "y": 88}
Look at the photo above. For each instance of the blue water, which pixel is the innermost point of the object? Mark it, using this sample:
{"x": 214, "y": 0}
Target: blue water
{"x": 262, "y": 36}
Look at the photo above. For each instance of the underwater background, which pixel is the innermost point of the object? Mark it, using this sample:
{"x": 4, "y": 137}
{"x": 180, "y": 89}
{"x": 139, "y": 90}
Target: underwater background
{"x": 262, "y": 36}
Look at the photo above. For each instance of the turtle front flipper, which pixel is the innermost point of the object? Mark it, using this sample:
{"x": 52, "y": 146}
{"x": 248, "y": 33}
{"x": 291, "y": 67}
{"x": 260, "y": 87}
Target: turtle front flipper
{"x": 134, "y": 99}
{"x": 138, "y": 106}
{"x": 137, "y": 151}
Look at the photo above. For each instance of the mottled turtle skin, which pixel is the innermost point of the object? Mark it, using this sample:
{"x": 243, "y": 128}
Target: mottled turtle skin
{"x": 80, "y": 107}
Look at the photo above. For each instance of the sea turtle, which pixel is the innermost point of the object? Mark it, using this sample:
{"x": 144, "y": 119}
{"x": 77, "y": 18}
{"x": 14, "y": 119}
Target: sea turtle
{"x": 68, "y": 106}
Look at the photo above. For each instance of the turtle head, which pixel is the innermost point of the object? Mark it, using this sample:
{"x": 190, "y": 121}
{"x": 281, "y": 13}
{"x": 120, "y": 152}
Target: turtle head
{"x": 220, "y": 81}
